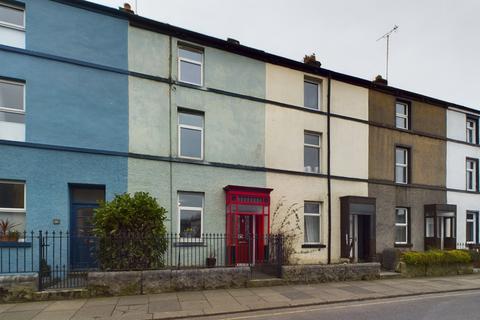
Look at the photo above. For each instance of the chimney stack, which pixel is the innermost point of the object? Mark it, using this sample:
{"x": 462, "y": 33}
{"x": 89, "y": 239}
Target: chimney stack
{"x": 380, "y": 80}
{"x": 126, "y": 8}
{"x": 312, "y": 60}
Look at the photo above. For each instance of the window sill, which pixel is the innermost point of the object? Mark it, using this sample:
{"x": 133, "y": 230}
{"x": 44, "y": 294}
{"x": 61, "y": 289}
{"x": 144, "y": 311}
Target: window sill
{"x": 15, "y": 244}
{"x": 403, "y": 245}
{"x": 189, "y": 244}
{"x": 313, "y": 246}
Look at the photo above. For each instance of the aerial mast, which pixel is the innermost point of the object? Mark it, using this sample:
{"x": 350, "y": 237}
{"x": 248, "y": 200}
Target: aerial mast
{"x": 387, "y": 36}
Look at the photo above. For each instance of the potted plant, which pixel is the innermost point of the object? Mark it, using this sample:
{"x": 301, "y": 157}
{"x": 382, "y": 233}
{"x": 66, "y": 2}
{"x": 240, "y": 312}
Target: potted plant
{"x": 211, "y": 260}
{"x": 187, "y": 233}
{"x": 6, "y": 233}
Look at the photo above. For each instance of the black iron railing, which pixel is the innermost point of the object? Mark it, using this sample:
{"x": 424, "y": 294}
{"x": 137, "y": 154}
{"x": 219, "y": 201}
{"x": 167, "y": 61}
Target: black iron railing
{"x": 63, "y": 259}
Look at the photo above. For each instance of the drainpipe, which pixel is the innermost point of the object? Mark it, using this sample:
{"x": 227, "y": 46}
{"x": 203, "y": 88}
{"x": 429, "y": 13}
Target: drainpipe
{"x": 329, "y": 180}
{"x": 170, "y": 85}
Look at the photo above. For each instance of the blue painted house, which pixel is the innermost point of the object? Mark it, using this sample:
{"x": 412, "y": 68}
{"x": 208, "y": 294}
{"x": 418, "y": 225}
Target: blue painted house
{"x": 63, "y": 113}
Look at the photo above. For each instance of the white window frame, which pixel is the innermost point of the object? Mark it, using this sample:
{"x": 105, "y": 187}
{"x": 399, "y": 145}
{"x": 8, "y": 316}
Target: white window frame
{"x": 319, "y": 215}
{"x": 473, "y": 173}
{"x": 11, "y": 25}
{"x": 180, "y": 208}
{"x": 402, "y": 225}
{"x": 432, "y": 220}
{"x": 16, "y": 210}
{"x": 473, "y": 129}
{"x": 11, "y": 110}
{"x": 190, "y": 127}
{"x": 474, "y": 221}
{"x": 401, "y": 115}
{"x": 318, "y": 83}
{"x": 180, "y": 59}
{"x": 403, "y": 165}
{"x": 319, "y": 147}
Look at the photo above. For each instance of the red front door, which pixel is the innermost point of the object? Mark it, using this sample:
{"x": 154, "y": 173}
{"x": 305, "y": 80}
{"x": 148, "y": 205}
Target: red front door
{"x": 245, "y": 239}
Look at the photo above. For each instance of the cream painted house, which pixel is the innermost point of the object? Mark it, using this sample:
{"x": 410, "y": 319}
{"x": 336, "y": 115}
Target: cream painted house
{"x": 296, "y": 131}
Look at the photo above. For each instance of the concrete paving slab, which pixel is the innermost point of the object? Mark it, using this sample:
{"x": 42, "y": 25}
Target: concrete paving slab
{"x": 240, "y": 292}
{"x": 19, "y": 315}
{"x": 191, "y": 296}
{"x": 30, "y": 306}
{"x": 164, "y": 306}
{"x": 133, "y": 300}
{"x": 162, "y": 296}
{"x": 194, "y": 305}
{"x": 66, "y": 305}
{"x": 96, "y": 310}
{"x": 55, "y": 315}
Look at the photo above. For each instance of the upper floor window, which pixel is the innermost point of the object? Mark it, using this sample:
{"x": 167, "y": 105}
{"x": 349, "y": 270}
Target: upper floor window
{"x": 190, "y": 65}
{"x": 401, "y": 225}
{"x": 190, "y": 211}
{"x": 471, "y": 130}
{"x": 312, "y": 92}
{"x": 12, "y": 25}
{"x": 12, "y": 111}
{"x": 311, "y": 212}
{"x": 472, "y": 174}
{"x": 401, "y": 115}
{"x": 190, "y": 132}
{"x": 311, "y": 152}
{"x": 401, "y": 165}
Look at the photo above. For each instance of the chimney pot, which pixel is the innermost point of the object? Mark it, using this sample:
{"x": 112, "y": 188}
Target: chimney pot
{"x": 234, "y": 41}
{"x": 127, "y": 8}
{"x": 379, "y": 80}
{"x": 312, "y": 60}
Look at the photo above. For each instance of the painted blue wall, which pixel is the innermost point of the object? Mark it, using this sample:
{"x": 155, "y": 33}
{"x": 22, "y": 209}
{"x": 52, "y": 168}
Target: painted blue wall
{"x": 70, "y": 32}
{"x": 69, "y": 105}
{"x": 47, "y": 175}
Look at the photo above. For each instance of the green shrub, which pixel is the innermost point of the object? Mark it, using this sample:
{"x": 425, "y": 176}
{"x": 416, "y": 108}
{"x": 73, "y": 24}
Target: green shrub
{"x": 436, "y": 257}
{"x": 131, "y": 233}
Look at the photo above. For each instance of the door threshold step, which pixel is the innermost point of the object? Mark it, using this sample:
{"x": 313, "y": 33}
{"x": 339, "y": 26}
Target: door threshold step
{"x": 390, "y": 275}
{"x": 253, "y": 283}
{"x": 60, "y": 294}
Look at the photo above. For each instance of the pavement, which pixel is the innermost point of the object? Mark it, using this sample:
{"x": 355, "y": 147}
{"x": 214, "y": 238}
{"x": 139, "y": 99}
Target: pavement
{"x": 232, "y": 301}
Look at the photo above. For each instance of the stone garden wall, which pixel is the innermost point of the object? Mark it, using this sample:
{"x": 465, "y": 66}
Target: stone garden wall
{"x": 330, "y": 273}
{"x": 18, "y": 287}
{"x": 157, "y": 281}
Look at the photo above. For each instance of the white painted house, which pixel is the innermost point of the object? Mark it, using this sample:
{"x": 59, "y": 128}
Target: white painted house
{"x": 463, "y": 154}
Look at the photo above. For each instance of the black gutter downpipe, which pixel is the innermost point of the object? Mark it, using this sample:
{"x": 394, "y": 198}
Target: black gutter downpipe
{"x": 329, "y": 178}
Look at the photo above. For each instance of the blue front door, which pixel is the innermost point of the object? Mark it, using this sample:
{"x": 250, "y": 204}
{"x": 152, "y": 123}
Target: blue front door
{"x": 83, "y": 202}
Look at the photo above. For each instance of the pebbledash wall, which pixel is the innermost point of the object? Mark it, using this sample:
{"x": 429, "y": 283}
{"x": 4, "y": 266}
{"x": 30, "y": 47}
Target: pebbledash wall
{"x": 234, "y": 127}
{"x": 458, "y": 150}
{"x": 66, "y": 105}
{"x": 102, "y": 101}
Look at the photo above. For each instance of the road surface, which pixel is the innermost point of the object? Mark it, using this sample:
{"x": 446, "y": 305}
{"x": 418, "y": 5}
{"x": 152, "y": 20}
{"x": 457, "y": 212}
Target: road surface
{"x": 457, "y": 306}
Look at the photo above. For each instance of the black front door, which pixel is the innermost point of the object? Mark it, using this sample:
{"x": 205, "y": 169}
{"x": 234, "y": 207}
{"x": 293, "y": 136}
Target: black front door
{"x": 363, "y": 238}
{"x": 83, "y": 201}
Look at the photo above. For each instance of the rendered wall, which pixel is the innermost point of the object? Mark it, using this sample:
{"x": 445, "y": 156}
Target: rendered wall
{"x": 456, "y": 171}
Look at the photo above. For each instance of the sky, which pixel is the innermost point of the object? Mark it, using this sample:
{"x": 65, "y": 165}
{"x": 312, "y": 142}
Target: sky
{"x": 434, "y": 52}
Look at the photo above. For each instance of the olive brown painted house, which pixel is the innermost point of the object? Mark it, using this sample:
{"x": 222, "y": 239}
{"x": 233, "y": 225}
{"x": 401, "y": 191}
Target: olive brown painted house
{"x": 96, "y": 101}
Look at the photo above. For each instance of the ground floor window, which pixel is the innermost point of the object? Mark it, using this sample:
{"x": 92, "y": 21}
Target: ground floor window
{"x": 190, "y": 211}
{"x": 401, "y": 225}
{"x": 471, "y": 235}
{"x": 429, "y": 227}
{"x": 312, "y": 222}
{"x": 12, "y": 204}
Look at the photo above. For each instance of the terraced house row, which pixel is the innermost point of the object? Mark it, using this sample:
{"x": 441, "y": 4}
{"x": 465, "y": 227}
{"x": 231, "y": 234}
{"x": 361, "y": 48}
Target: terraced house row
{"x": 96, "y": 101}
